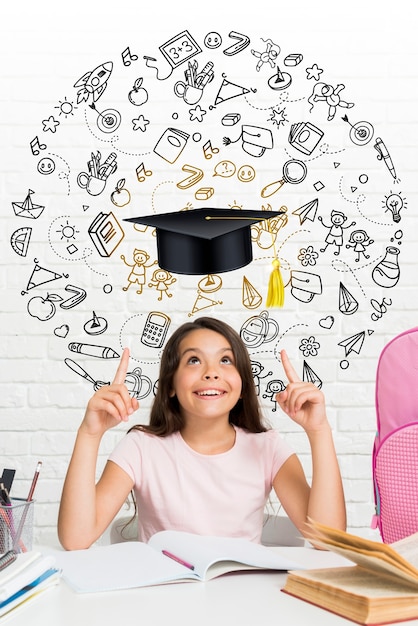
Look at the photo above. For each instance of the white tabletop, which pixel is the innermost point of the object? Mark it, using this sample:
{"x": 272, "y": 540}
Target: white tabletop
{"x": 245, "y": 599}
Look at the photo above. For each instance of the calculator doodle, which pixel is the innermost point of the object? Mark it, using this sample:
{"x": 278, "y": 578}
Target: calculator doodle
{"x": 155, "y": 329}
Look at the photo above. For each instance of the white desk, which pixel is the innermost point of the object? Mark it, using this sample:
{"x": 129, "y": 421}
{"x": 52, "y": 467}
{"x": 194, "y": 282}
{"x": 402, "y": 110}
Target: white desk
{"x": 244, "y": 599}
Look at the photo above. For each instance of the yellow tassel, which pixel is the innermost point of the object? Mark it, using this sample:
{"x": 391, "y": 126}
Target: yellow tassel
{"x": 275, "y": 293}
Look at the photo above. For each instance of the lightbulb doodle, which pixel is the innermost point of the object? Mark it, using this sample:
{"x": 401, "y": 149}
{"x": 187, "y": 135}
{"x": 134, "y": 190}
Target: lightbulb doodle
{"x": 210, "y": 119}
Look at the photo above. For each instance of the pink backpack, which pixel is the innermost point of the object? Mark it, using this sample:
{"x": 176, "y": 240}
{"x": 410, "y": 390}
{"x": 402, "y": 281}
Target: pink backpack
{"x": 395, "y": 450}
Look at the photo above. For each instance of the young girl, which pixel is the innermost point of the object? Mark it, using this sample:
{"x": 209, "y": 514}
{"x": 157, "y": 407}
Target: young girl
{"x": 206, "y": 463}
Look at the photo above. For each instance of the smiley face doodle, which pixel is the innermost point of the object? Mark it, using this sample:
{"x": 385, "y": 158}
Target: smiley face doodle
{"x": 212, "y": 40}
{"x": 46, "y": 166}
{"x": 246, "y": 173}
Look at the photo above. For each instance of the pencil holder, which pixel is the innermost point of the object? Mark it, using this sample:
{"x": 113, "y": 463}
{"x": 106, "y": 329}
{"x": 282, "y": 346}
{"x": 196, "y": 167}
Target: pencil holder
{"x": 16, "y": 526}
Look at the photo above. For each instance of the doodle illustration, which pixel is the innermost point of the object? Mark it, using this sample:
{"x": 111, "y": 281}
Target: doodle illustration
{"x": 269, "y": 55}
{"x": 93, "y": 83}
{"x": 336, "y": 230}
{"x": 94, "y": 181}
{"x": 27, "y": 208}
{"x": 161, "y": 280}
{"x": 383, "y": 155}
{"x": 387, "y": 271}
{"x": 120, "y": 196}
{"x": 155, "y": 329}
{"x": 106, "y": 233}
{"x": 137, "y": 275}
{"x": 294, "y": 172}
{"x": 20, "y": 239}
{"x": 259, "y": 329}
{"x": 96, "y": 325}
{"x": 273, "y": 388}
{"x": 257, "y": 370}
{"x": 331, "y": 96}
{"x": 207, "y": 127}
{"x": 394, "y": 204}
{"x": 359, "y": 240}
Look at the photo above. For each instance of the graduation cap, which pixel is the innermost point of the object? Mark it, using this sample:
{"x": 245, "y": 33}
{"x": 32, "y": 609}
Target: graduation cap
{"x": 204, "y": 241}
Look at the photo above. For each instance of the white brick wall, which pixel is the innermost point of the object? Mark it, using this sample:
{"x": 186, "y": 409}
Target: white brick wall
{"x": 369, "y": 47}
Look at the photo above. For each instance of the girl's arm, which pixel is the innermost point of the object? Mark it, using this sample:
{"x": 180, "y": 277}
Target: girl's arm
{"x": 86, "y": 509}
{"x": 323, "y": 501}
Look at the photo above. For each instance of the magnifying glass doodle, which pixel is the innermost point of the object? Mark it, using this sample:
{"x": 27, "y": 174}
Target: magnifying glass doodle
{"x": 294, "y": 172}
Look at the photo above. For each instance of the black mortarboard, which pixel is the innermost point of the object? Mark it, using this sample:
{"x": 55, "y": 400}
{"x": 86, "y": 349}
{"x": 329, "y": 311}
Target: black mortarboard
{"x": 204, "y": 241}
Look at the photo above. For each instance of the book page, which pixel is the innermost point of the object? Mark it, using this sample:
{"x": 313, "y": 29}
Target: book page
{"x": 408, "y": 548}
{"x": 354, "y": 546}
{"x": 216, "y": 553}
{"x": 377, "y": 563}
{"x": 118, "y": 566}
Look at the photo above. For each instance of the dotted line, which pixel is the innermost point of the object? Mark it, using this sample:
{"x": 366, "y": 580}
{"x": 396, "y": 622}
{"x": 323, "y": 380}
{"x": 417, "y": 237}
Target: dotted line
{"x": 291, "y": 328}
{"x": 135, "y": 154}
{"x": 122, "y": 345}
{"x": 94, "y": 135}
{"x": 270, "y": 107}
{"x": 84, "y": 257}
{"x": 357, "y": 201}
{"x": 164, "y": 182}
{"x": 64, "y": 175}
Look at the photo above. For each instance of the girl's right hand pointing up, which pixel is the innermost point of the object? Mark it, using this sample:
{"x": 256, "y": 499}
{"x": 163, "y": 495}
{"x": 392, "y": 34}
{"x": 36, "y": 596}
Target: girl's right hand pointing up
{"x": 111, "y": 404}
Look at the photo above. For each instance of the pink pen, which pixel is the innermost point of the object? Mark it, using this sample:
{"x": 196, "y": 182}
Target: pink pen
{"x": 176, "y": 558}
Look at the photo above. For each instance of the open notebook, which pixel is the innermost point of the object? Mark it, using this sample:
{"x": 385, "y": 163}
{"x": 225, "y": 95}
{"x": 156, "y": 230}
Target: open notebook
{"x": 168, "y": 557}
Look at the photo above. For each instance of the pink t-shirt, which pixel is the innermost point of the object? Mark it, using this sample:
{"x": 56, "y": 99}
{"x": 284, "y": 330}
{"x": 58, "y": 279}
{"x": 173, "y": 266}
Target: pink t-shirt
{"x": 177, "y": 488}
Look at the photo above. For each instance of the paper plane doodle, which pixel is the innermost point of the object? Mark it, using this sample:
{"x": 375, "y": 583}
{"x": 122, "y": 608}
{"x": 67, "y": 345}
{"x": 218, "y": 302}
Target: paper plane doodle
{"x": 354, "y": 343}
{"x": 94, "y": 83}
{"x": 307, "y": 211}
{"x": 27, "y": 208}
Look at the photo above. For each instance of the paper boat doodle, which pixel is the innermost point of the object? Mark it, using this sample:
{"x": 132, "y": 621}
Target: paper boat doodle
{"x": 27, "y": 208}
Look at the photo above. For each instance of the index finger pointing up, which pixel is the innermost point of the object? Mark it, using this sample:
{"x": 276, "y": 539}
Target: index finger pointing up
{"x": 290, "y": 372}
{"x": 122, "y": 367}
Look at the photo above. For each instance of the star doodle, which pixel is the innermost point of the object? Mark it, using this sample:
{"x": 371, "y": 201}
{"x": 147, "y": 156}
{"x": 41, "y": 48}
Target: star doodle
{"x": 50, "y": 124}
{"x": 278, "y": 116}
{"x": 313, "y": 72}
{"x": 140, "y": 123}
{"x": 197, "y": 113}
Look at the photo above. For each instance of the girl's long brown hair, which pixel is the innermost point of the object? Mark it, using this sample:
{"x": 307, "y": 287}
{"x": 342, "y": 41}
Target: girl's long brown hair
{"x": 166, "y": 418}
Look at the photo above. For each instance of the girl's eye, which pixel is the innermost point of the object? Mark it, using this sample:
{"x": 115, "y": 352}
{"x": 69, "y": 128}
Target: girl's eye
{"x": 227, "y": 359}
{"x": 193, "y": 359}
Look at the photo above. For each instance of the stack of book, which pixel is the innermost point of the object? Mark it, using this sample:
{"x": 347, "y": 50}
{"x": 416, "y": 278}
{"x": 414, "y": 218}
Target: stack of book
{"x": 24, "y": 576}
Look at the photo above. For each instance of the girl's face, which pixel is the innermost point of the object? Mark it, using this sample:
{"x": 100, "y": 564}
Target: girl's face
{"x": 207, "y": 383}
